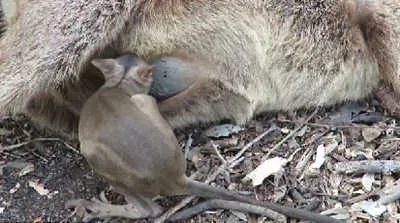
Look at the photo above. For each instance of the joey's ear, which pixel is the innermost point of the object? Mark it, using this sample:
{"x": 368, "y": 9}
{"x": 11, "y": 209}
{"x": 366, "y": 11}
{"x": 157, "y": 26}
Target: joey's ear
{"x": 145, "y": 73}
{"x": 106, "y": 66}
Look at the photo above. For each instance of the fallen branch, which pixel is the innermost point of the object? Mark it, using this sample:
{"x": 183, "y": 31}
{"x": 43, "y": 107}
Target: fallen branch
{"x": 321, "y": 125}
{"x": 386, "y": 167}
{"x": 228, "y": 205}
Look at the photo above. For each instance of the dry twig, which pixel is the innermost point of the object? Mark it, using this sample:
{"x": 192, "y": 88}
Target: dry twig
{"x": 216, "y": 150}
{"x": 188, "y": 145}
{"x": 18, "y": 145}
{"x": 290, "y": 135}
{"x": 213, "y": 176}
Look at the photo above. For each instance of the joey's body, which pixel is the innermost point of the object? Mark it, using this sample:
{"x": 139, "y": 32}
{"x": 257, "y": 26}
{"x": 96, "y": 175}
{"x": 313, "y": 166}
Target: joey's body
{"x": 116, "y": 135}
{"x": 126, "y": 140}
{"x": 259, "y": 55}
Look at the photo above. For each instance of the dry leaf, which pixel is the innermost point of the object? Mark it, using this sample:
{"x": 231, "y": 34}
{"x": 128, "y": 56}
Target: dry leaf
{"x": 334, "y": 144}
{"x": 38, "y": 187}
{"x": 37, "y": 220}
{"x": 367, "y": 181}
{"x": 265, "y": 169}
{"x": 370, "y": 133}
{"x": 358, "y": 192}
{"x": 52, "y": 194}
{"x": 4, "y": 132}
{"x": 15, "y": 188}
{"x": 338, "y": 213}
{"x": 373, "y": 208}
{"x": 223, "y": 130}
{"x": 302, "y": 131}
{"x": 27, "y": 169}
{"x": 285, "y": 130}
{"x": 240, "y": 215}
{"x": 320, "y": 158}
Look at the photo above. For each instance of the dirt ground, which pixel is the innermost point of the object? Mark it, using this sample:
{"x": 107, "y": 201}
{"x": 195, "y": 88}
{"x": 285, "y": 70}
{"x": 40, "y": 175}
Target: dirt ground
{"x": 40, "y": 172}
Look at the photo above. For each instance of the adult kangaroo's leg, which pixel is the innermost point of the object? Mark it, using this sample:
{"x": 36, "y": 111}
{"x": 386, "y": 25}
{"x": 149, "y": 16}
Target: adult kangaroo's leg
{"x": 187, "y": 93}
{"x": 206, "y": 101}
{"x": 379, "y": 22}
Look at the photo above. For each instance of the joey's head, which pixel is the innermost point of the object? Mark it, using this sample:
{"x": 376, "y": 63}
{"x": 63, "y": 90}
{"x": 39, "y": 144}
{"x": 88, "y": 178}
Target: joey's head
{"x": 128, "y": 72}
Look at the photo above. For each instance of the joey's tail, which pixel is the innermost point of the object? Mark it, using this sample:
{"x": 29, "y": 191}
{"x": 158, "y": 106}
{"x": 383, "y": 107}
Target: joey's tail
{"x": 207, "y": 191}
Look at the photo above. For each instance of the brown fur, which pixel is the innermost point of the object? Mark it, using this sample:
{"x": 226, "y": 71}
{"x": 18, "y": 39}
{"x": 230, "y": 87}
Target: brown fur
{"x": 261, "y": 55}
{"x": 126, "y": 140}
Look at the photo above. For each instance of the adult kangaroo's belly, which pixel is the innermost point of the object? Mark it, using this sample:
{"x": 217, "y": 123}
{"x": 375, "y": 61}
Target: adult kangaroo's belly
{"x": 275, "y": 86}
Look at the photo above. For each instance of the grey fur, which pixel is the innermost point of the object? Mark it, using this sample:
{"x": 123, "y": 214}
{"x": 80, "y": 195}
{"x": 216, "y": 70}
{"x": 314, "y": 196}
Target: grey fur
{"x": 3, "y": 24}
{"x": 259, "y": 55}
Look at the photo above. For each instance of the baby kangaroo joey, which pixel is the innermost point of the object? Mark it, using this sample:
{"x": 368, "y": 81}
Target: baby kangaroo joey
{"x": 126, "y": 140}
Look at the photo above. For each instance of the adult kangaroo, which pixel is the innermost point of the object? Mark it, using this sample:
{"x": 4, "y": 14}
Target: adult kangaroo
{"x": 245, "y": 57}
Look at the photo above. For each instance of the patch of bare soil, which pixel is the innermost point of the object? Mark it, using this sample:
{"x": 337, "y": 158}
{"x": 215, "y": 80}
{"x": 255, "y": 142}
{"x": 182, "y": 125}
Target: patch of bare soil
{"x": 48, "y": 166}
{"x": 40, "y": 172}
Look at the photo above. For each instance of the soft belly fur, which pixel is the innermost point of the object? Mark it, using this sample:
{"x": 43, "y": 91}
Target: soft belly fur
{"x": 249, "y": 56}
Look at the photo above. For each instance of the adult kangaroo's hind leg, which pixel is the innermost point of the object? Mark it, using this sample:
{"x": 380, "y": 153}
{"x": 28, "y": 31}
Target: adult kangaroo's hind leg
{"x": 44, "y": 110}
{"x": 188, "y": 93}
{"x": 379, "y": 22}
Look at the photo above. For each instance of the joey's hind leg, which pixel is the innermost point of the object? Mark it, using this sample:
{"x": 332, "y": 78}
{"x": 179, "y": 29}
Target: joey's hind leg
{"x": 206, "y": 101}
{"x": 136, "y": 208}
